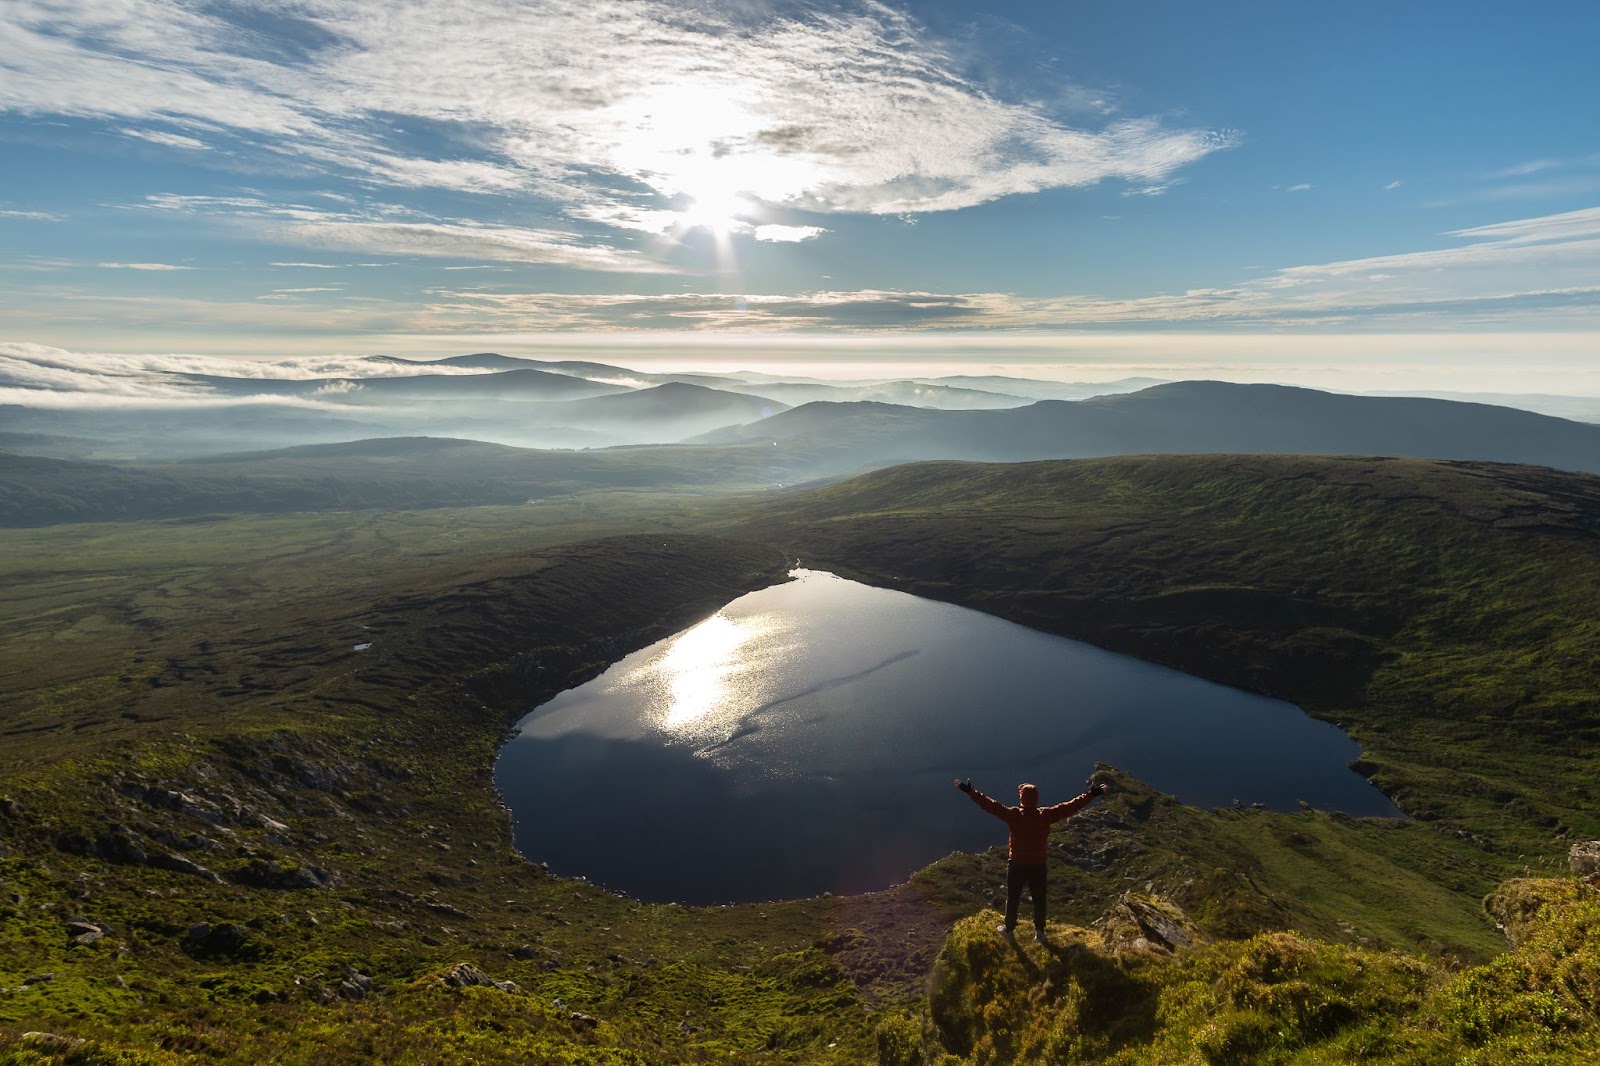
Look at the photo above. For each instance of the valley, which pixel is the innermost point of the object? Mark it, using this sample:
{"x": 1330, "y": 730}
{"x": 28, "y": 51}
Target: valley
{"x": 1442, "y": 618}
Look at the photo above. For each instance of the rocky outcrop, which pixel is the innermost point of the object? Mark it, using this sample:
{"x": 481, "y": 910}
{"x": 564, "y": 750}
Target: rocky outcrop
{"x": 1584, "y": 858}
{"x": 1138, "y": 924}
{"x": 82, "y": 934}
{"x": 266, "y": 873}
{"x": 466, "y": 975}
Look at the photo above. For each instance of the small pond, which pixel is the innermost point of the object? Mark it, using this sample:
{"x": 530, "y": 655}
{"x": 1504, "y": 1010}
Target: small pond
{"x": 804, "y": 738}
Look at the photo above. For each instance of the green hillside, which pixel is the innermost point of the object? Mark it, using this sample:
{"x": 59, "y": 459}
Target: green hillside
{"x": 226, "y": 834}
{"x": 1445, "y": 614}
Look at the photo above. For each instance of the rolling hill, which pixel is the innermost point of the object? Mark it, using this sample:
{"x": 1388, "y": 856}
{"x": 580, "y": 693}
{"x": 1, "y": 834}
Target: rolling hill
{"x": 246, "y": 818}
{"x": 379, "y": 473}
{"x": 1189, "y": 417}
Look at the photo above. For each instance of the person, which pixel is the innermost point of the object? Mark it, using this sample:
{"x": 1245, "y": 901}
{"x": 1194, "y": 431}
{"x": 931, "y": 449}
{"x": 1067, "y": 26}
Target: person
{"x": 1030, "y": 825}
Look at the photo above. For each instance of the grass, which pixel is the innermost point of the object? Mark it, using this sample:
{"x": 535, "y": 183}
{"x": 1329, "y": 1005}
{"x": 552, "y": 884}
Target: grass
{"x": 190, "y": 689}
{"x": 1095, "y": 995}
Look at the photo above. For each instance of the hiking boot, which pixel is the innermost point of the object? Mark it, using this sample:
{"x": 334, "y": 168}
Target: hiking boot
{"x": 1006, "y": 931}
{"x": 1039, "y": 935}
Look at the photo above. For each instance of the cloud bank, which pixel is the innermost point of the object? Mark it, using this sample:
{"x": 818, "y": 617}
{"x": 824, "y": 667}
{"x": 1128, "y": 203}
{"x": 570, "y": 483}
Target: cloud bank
{"x": 622, "y": 113}
{"x": 37, "y": 375}
{"x": 1488, "y": 275}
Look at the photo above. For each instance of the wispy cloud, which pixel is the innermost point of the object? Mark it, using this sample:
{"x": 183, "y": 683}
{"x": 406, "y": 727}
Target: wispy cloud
{"x": 166, "y": 138}
{"x": 1391, "y": 186}
{"x": 143, "y": 266}
{"x": 1532, "y": 166}
{"x": 1304, "y": 186}
{"x": 35, "y": 216}
{"x": 1530, "y": 273}
{"x": 613, "y": 110}
{"x": 1535, "y": 179}
{"x": 1487, "y": 276}
{"x": 1567, "y": 226}
{"x": 392, "y": 230}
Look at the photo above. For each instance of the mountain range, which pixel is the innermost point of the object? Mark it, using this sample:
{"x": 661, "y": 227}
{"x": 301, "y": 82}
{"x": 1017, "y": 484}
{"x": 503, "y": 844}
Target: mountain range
{"x": 772, "y": 447}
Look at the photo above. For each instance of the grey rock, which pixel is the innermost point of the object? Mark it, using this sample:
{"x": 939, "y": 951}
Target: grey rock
{"x": 1142, "y": 924}
{"x": 84, "y": 933}
{"x": 1584, "y": 858}
{"x": 118, "y": 845}
{"x": 265, "y": 873}
{"x": 178, "y": 864}
{"x": 356, "y": 984}
{"x": 465, "y": 975}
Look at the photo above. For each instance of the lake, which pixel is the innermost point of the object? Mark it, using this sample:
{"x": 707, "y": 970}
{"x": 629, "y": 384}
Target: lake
{"x": 804, "y": 740}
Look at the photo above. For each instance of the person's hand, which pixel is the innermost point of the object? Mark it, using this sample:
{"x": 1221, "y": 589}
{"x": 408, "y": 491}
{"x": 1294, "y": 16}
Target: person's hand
{"x": 964, "y": 784}
{"x": 1099, "y": 788}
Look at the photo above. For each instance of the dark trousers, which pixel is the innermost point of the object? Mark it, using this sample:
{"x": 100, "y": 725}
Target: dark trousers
{"x": 1032, "y": 875}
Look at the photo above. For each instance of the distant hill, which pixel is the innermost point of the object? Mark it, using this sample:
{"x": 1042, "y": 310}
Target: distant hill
{"x": 521, "y": 383}
{"x": 678, "y": 404}
{"x": 524, "y": 383}
{"x": 159, "y": 435}
{"x": 1037, "y": 389}
{"x": 813, "y": 441}
{"x": 907, "y": 393}
{"x": 1577, "y": 408}
{"x": 1181, "y": 417}
{"x": 395, "y": 473}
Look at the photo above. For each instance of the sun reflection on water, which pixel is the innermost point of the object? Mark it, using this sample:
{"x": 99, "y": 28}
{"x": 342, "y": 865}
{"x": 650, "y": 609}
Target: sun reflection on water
{"x": 699, "y": 666}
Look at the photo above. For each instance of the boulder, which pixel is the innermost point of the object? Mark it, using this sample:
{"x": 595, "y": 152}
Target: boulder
{"x": 229, "y": 940}
{"x": 53, "y": 1043}
{"x": 464, "y": 975}
{"x": 84, "y": 933}
{"x": 1584, "y": 858}
{"x": 1141, "y": 924}
{"x": 178, "y": 864}
{"x": 355, "y": 984}
{"x": 266, "y": 873}
{"x": 118, "y": 845}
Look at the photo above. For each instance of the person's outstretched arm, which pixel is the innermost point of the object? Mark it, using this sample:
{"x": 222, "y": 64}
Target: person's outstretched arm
{"x": 993, "y": 806}
{"x": 1056, "y": 812}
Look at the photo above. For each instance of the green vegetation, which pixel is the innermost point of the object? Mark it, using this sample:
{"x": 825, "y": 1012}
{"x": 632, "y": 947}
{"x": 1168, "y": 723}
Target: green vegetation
{"x": 225, "y": 834}
{"x": 1109, "y": 994}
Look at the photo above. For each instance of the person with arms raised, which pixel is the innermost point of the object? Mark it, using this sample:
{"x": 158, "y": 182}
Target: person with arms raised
{"x": 1030, "y": 825}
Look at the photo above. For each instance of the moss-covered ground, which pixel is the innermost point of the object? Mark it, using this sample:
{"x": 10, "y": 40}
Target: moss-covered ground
{"x": 225, "y": 834}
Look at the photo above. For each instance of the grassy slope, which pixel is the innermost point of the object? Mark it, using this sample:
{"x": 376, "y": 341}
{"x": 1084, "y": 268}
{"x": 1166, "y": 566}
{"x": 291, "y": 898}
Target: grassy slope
{"x": 167, "y": 657}
{"x": 1098, "y": 995}
{"x": 260, "y": 754}
{"x": 1444, "y": 613}
{"x": 392, "y": 474}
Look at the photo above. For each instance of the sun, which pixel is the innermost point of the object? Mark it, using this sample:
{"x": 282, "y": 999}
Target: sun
{"x": 697, "y": 143}
{"x": 715, "y": 210}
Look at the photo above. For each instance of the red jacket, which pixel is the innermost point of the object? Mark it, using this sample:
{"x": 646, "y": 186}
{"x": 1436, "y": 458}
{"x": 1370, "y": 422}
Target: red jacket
{"x": 1030, "y": 826}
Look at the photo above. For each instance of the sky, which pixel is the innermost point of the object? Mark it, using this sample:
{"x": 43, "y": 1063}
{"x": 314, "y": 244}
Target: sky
{"x": 1366, "y": 195}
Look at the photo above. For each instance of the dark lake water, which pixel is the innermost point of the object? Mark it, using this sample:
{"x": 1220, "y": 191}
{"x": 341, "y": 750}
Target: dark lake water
{"x": 804, "y": 740}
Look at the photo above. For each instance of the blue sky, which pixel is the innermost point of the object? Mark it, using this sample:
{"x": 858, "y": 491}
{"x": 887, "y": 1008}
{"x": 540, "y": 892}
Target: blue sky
{"x": 1361, "y": 194}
